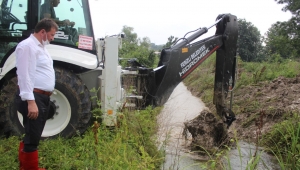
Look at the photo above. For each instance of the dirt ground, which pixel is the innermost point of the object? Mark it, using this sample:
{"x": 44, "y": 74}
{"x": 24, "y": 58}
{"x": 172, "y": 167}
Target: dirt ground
{"x": 258, "y": 108}
{"x": 265, "y": 104}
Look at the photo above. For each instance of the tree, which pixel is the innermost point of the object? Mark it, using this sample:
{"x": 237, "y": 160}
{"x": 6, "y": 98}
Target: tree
{"x": 291, "y": 5}
{"x": 136, "y": 48}
{"x": 171, "y": 40}
{"x": 284, "y": 37}
{"x": 156, "y": 47}
{"x": 249, "y": 42}
{"x": 130, "y": 36}
{"x": 280, "y": 42}
{"x": 145, "y": 42}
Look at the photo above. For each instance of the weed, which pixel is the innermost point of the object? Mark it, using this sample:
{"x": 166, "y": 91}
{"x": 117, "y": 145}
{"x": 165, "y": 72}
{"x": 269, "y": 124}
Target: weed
{"x": 131, "y": 146}
{"x": 283, "y": 141}
{"x": 258, "y": 74}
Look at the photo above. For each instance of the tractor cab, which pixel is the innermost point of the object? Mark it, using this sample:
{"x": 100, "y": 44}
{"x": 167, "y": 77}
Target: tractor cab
{"x": 19, "y": 17}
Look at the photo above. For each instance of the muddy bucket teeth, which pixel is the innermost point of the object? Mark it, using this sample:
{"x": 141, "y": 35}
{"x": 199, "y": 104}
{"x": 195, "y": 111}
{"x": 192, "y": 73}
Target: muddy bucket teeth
{"x": 229, "y": 118}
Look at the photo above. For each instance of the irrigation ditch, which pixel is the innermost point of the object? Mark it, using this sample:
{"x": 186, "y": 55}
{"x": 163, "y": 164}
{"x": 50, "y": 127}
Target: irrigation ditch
{"x": 182, "y": 107}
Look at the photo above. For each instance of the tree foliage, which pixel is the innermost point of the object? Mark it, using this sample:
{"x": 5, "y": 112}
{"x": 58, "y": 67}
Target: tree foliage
{"x": 291, "y": 5}
{"x": 249, "y": 42}
{"x": 136, "y": 48}
{"x": 283, "y": 38}
{"x": 280, "y": 42}
{"x": 171, "y": 40}
{"x": 156, "y": 47}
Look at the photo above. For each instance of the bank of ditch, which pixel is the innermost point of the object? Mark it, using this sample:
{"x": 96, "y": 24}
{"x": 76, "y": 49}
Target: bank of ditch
{"x": 266, "y": 99}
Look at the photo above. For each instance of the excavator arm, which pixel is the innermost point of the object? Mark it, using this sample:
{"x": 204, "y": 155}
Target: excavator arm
{"x": 178, "y": 61}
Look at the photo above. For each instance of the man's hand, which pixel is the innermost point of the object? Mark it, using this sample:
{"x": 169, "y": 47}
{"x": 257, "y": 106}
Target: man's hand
{"x": 33, "y": 110}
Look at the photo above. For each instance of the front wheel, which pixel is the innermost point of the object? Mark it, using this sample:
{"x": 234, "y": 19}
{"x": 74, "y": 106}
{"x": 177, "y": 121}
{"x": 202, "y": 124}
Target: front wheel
{"x": 69, "y": 112}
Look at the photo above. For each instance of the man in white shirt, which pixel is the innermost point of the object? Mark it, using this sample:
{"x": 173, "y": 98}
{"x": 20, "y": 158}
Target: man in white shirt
{"x": 36, "y": 80}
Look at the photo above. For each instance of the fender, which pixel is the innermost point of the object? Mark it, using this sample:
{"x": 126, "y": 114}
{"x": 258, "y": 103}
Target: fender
{"x": 58, "y": 53}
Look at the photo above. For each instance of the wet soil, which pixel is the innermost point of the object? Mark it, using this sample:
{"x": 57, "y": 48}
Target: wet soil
{"x": 207, "y": 132}
{"x": 260, "y": 106}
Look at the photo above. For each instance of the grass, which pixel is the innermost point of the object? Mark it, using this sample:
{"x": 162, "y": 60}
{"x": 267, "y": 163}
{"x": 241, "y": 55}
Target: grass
{"x": 284, "y": 142}
{"x": 131, "y": 146}
{"x": 201, "y": 80}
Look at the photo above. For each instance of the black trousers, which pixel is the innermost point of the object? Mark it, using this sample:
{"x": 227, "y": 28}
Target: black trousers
{"x": 33, "y": 127}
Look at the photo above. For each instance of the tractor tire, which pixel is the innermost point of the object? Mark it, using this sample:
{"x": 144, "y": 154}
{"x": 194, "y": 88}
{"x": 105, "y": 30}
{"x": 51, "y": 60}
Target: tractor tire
{"x": 69, "y": 113}
{"x": 9, "y": 122}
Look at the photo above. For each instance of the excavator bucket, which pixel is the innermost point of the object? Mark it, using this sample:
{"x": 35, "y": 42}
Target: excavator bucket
{"x": 225, "y": 66}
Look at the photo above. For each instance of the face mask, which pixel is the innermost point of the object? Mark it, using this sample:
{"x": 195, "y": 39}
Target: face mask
{"x": 46, "y": 42}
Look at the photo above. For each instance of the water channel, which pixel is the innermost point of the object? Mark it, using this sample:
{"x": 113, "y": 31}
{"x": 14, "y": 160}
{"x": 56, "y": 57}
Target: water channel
{"x": 183, "y": 106}
{"x": 180, "y": 107}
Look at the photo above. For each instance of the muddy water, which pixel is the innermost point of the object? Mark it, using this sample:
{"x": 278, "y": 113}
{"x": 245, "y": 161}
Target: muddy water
{"x": 183, "y": 106}
{"x": 180, "y": 107}
{"x": 242, "y": 156}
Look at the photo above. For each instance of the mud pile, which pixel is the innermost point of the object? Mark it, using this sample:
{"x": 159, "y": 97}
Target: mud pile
{"x": 207, "y": 132}
{"x": 261, "y": 106}
{"x": 279, "y": 94}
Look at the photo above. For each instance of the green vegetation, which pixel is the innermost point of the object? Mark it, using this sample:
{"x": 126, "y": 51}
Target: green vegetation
{"x": 129, "y": 146}
{"x": 281, "y": 41}
{"x": 284, "y": 142}
{"x": 252, "y": 73}
{"x": 283, "y": 37}
{"x": 137, "y": 48}
{"x": 249, "y": 42}
{"x": 156, "y": 47}
{"x": 171, "y": 40}
{"x": 201, "y": 81}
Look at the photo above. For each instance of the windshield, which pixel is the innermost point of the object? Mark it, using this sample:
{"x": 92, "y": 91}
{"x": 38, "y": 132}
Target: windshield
{"x": 72, "y": 17}
{"x": 18, "y": 18}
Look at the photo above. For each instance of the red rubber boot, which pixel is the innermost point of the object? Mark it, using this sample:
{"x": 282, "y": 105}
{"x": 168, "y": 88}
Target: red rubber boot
{"x": 21, "y": 146}
{"x": 31, "y": 161}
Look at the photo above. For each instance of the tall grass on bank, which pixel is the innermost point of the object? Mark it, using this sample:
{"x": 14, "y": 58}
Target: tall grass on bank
{"x": 129, "y": 146}
{"x": 201, "y": 80}
{"x": 252, "y": 73}
{"x": 284, "y": 142}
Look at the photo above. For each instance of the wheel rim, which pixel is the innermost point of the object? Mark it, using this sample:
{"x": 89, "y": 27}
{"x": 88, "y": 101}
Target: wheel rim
{"x": 60, "y": 119}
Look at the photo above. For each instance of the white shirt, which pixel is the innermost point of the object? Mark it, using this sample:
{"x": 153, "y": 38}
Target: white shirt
{"x": 34, "y": 68}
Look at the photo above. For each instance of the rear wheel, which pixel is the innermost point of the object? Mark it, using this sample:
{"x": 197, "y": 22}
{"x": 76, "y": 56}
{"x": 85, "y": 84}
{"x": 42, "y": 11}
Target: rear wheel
{"x": 9, "y": 122}
{"x": 69, "y": 108}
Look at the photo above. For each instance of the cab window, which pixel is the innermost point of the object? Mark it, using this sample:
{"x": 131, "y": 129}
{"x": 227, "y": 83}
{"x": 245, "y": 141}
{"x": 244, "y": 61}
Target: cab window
{"x": 12, "y": 23}
{"x": 71, "y": 17}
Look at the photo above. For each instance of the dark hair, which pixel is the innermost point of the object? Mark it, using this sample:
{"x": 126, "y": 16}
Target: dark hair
{"x": 46, "y": 24}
